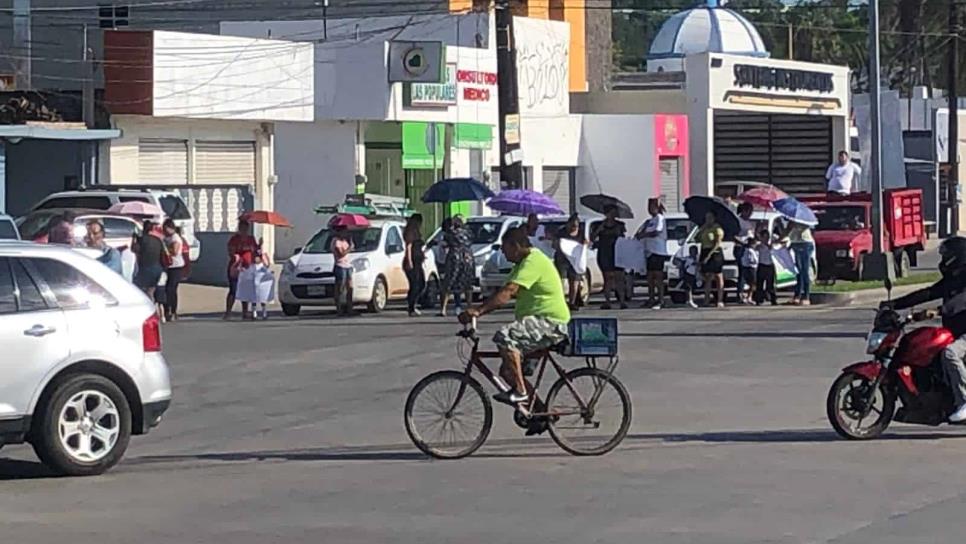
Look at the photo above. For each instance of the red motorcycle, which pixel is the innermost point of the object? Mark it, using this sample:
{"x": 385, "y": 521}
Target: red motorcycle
{"x": 906, "y": 366}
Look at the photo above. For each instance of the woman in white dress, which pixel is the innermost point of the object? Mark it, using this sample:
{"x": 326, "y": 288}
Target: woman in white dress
{"x": 256, "y": 284}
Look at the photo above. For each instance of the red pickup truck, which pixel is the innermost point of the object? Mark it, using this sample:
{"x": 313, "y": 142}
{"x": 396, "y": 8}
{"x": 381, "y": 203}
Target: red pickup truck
{"x": 844, "y": 232}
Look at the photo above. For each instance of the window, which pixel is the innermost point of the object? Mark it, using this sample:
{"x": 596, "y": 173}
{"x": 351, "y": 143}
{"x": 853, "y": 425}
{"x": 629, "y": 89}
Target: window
{"x": 30, "y": 299}
{"x": 557, "y": 10}
{"x": 144, "y": 199}
{"x": 74, "y": 202}
{"x": 363, "y": 240}
{"x": 118, "y": 228}
{"x": 7, "y": 230}
{"x": 110, "y": 16}
{"x": 394, "y": 242}
{"x": 70, "y": 287}
{"x": 174, "y": 207}
{"x": 8, "y": 297}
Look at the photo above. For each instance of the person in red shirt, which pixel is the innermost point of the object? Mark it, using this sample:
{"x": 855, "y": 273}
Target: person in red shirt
{"x": 242, "y": 248}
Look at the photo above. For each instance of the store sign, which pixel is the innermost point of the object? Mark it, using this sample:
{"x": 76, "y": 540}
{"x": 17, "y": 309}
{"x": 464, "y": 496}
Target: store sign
{"x": 435, "y": 94}
{"x": 471, "y": 81}
{"x": 767, "y": 77}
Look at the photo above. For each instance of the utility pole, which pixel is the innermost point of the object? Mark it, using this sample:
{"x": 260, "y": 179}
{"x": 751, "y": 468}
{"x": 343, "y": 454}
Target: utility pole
{"x": 791, "y": 42}
{"x": 87, "y": 94}
{"x": 952, "y": 146}
{"x": 22, "y": 45}
{"x": 511, "y": 167}
{"x": 878, "y": 265}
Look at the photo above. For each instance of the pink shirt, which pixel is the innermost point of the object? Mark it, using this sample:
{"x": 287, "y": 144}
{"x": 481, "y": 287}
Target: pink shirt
{"x": 340, "y": 250}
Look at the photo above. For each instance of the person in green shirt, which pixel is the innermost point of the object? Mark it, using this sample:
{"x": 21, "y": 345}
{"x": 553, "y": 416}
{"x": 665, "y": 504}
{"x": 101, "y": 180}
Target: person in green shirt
{"x": 541, "y": 313}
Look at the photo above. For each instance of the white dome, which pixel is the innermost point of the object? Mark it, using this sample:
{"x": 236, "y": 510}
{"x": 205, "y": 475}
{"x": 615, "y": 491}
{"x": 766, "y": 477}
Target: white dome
{"x": 706, "y": 29}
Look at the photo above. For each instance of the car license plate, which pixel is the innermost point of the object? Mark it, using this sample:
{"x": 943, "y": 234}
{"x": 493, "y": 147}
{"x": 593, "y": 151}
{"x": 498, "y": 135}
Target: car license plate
{"x": 316, "y": 290}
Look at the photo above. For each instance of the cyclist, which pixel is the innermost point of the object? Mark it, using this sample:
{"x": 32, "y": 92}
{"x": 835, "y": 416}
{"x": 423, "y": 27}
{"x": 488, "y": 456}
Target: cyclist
{"x": 541, "y": 312}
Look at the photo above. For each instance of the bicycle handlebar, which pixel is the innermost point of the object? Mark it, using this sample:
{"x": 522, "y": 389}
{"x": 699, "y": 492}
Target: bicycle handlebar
{"x": 469, "y": 330}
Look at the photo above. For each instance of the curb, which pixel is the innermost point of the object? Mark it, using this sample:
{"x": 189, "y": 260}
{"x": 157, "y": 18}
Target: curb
{"x": 864, "y": 297}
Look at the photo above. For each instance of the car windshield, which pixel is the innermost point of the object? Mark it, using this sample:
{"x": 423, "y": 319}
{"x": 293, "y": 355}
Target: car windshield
{"x": 363, "y": 240}
{"x": 174, "y": 207}
{"x": 7, "y": 230}
{"x": 484, "y": 232}
{"x": 840, "y": 217}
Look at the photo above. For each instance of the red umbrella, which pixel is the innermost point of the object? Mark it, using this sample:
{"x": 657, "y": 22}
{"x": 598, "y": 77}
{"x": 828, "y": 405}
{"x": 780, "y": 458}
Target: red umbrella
{"x": 348, "y": 220}
{"x": 265, "y": 218}
{"x": 763, "y": 196}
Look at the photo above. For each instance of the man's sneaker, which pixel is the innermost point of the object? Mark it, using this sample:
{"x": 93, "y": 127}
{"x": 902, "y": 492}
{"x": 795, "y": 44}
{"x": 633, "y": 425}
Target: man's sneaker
{"x": 510, "y": 397}
{"x": 693, "y": 304}
{"x": 959, "y": 416}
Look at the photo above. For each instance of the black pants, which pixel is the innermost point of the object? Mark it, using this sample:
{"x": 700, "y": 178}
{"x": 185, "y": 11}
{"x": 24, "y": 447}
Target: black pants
{"x": 417, "y": 284}
{"x": 766, "y": 284}
{"x": 171, "y": 291}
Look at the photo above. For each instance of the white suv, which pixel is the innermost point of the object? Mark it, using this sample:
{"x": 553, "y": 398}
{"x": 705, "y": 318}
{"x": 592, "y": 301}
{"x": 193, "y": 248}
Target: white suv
{"x": 82, "y": 368}
{"x": 170, "y": 202}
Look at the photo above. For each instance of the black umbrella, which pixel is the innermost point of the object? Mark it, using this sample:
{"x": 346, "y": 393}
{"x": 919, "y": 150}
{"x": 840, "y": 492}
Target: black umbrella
{"x": 601, "y": 203}
{"x": 698, "y": 206}
{"x": 457, "y": 190}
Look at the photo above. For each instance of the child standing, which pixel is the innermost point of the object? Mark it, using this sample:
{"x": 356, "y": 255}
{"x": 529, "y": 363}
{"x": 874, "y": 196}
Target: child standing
{"x": 748, "y": 268}
{"x": 766, "y": 270}
{"x": 688, "y": 268}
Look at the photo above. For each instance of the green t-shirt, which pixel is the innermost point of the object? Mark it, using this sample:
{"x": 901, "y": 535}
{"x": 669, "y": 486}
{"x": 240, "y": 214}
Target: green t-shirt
{"x": 541, "y": 291}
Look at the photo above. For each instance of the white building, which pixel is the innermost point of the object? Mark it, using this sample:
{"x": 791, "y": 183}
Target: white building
{"x": 197, "y": 113}
{"x": 749, "y": 117}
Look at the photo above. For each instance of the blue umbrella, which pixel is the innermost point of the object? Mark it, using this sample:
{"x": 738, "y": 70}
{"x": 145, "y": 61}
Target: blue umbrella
{"x": 795, "y": 211}
{"x": 457, "y": 190}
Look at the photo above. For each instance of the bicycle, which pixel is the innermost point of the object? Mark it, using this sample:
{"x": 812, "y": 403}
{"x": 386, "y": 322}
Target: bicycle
{"x": 453, "y": 406}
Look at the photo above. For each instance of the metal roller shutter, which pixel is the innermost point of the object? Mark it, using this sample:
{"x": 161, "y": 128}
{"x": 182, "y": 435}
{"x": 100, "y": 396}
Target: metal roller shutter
{"x": 163, "y": 161}
{"x": 556, "y": 185}
{"x": 671, "y": 183}
{"x": 225, "y": 162}
{"x": 789, "y": 151}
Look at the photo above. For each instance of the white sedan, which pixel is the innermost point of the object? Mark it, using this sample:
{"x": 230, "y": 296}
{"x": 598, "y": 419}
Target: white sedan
{"x": 307, "y": 278}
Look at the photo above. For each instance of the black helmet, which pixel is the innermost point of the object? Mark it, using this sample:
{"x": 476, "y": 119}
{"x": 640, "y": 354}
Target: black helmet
{"x": 952, "y": 255}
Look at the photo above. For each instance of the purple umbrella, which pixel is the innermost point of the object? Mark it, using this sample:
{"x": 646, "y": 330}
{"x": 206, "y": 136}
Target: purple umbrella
{"x": 523, "y": 202}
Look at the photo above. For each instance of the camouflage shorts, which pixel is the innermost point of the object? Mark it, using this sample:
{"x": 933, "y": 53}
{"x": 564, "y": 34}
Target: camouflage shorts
{"x": 530, "y": 334}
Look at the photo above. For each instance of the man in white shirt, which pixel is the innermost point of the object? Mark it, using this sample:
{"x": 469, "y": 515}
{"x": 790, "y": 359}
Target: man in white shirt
{"x": 842, "y": 174}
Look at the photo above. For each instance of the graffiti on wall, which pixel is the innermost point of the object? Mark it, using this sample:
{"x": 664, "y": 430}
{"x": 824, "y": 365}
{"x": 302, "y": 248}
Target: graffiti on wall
{"x": 543, "y": 76}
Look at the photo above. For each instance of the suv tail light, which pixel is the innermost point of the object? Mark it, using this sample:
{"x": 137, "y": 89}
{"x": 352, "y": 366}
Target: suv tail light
{"x": 151, "y": 334}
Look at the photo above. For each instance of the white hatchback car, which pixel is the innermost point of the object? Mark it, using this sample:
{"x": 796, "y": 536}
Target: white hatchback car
{"x": 82, "y": 368}
{"x": 377, "y": 277}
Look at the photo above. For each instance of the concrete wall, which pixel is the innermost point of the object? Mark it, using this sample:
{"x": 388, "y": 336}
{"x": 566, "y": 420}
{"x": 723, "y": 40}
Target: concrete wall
{"x": 616, "y": 158}
{"x": 314, "y": 166}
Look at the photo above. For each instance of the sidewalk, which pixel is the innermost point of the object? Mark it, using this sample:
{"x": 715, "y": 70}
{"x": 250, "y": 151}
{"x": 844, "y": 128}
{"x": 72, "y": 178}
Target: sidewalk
{"x": 201, "y": 299}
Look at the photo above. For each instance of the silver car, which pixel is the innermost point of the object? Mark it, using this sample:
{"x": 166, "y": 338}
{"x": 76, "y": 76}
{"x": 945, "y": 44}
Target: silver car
{"x": 82, "y": 368}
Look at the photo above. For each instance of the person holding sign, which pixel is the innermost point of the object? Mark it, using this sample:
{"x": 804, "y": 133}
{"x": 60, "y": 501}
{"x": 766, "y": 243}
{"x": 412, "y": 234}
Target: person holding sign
{"x": 569, "y": 253}
{"x": 654, "y": 235}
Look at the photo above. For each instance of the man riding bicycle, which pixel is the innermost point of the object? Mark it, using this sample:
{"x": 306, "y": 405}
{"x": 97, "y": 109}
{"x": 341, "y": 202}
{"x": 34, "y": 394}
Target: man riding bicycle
{"x": 541, "y": 312}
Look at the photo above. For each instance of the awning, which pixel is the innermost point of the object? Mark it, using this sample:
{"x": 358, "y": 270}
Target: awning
{"x": 49, "y": 133}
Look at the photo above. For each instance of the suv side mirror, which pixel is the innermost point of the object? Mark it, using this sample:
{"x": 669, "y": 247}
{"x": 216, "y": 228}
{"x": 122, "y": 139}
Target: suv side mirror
{"x": 496, "y": 247}
{"x": 297, "y": 251}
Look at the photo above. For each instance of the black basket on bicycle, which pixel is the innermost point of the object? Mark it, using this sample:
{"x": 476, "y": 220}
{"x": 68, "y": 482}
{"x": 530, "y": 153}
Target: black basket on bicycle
{"x": 593, "y": 336}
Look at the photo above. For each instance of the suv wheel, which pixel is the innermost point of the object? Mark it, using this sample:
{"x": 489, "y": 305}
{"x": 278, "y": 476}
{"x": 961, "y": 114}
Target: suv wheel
{"x": 84, "y": 428}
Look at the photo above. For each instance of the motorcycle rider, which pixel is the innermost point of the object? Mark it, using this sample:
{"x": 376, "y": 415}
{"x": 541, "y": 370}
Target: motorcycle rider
{"x": 951, "y": 288}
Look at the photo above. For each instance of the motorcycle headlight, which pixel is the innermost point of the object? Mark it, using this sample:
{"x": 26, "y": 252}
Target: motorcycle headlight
{"x": 874, "y": 342}
{"x": 361, "y": 264}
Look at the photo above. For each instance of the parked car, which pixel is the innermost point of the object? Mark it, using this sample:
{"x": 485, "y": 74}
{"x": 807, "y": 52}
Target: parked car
{"x": 307, "y": 278}
{"x": 844, "y": 232}
{"x": 8, "y": 228}
{"x": 783, "y": 278}
{"x": 118, "y": 232}
{"x": 170, "y": 202}
{"x": 485, "y": 233}
{"x": 679, "y": 226}
{"x": 497, "y": 268}
{"x": 82, "y": 369}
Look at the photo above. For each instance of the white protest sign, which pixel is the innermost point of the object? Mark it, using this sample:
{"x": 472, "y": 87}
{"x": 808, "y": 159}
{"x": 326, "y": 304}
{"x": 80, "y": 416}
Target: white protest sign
{"x": 576, "y": 253}
{"x": 629, "y": 255}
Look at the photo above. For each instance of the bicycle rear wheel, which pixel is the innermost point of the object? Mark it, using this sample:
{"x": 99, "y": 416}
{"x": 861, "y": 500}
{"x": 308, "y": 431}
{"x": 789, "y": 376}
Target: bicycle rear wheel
{"x": 448, "y": 415}
{"x": 600, "y": 427}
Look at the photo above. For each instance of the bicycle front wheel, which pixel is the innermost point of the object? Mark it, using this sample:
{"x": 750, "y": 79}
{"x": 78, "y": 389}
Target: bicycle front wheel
{"x": 590, "y": 412}
{"x": 448, "y": 415}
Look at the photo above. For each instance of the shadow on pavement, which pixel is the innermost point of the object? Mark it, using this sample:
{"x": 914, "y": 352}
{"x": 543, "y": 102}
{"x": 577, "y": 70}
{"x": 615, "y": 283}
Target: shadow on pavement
{"x": 745, "y": 334}
{"x": 780, "y": 436}
{"x": 16, "y": 469}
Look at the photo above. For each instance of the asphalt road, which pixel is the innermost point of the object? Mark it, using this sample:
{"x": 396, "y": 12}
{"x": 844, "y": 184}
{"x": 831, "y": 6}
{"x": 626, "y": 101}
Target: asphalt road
{"x": 291, "y": 432}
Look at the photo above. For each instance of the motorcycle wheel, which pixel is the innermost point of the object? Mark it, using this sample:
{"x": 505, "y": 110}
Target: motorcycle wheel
{"x": 843, "y": 408}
